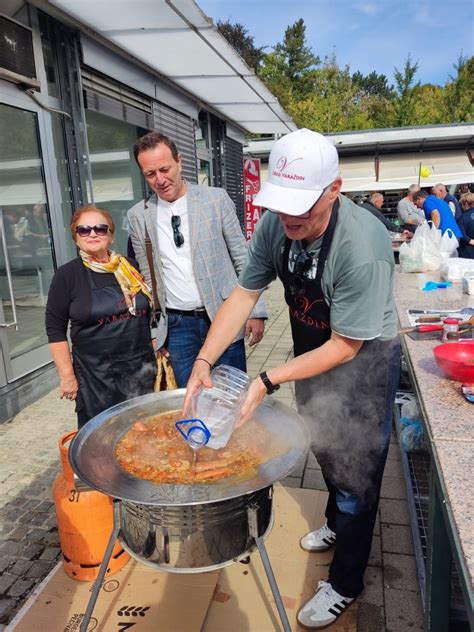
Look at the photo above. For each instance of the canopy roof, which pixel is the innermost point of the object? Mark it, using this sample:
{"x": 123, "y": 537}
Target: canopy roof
{"x": 177, "y": 40}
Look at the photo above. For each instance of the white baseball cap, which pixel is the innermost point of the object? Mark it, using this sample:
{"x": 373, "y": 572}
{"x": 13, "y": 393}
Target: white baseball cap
{"x": 301, "y": 165}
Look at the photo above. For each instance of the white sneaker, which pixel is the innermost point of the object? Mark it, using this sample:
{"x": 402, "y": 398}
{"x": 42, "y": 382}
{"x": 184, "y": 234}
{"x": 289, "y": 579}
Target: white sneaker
{"x": 319, "y": 540}
{"x": 324, "y": 608}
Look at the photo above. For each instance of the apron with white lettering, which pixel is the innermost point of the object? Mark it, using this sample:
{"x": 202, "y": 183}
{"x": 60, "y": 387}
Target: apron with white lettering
{"x": 112, "y": 353}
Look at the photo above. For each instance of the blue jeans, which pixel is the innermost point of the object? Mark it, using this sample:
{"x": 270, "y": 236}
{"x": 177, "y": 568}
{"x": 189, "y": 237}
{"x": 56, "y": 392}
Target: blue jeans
{"x": 186, "y": 335}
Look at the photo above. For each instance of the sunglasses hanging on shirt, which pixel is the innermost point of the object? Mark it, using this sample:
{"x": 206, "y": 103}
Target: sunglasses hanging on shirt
{"x": 303, "y": 264}
{"x": 177, "y": 234}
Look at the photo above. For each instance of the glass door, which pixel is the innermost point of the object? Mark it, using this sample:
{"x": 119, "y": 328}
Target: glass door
{"x": 26, "y": 251}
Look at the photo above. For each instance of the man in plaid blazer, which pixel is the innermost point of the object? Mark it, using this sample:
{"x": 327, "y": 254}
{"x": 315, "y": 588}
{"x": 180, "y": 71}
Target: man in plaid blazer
{"x": 198, "y": 251}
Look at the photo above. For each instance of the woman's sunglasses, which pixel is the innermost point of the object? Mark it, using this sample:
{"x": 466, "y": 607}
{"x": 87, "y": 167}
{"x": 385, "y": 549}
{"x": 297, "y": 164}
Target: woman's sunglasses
{"x": 177, "y": 234}
{"x": 100, "y": 229}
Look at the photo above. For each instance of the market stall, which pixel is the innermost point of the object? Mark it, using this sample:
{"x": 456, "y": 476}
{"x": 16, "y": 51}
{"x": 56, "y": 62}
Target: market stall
{"x": 445, "y": 528}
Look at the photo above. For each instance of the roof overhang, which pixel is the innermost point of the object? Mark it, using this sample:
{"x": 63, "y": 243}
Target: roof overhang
{"x": 175, "y": 39}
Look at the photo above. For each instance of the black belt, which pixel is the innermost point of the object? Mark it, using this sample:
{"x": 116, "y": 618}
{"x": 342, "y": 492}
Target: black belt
{"x": 195, "y": 313}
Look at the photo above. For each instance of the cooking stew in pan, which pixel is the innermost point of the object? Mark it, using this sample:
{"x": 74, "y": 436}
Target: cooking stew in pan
{"x": 154, "y": 450}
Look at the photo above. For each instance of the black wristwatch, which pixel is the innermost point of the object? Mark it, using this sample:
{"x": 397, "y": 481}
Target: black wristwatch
{"x": 271, "y": 388}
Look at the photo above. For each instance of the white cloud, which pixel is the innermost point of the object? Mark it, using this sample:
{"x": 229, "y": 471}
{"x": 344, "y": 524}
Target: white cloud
{"x": 368, "y": 8}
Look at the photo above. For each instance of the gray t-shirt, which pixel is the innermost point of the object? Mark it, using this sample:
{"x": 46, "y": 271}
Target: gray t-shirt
{"x": 358, "y": 275}
{"x": 406, "y": 210}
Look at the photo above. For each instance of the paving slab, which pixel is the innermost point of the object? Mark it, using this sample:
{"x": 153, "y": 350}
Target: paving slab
{"x": 394, "y": 511}
{"x": 403, "y": 611}
{"x": 399, "y": 571}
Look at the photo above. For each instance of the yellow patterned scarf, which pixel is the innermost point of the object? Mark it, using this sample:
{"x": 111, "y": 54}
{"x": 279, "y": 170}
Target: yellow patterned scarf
{"x": 130, "y": 280}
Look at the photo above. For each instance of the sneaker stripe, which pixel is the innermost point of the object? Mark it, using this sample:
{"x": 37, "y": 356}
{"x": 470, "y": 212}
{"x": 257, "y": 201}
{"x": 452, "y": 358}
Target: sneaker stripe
{"x": 339, "y": 606}
{"x": 334, "y": 612}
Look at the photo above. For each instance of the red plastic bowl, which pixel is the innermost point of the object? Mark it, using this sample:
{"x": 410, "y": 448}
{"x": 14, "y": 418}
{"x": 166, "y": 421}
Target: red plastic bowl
{"x": 456, "y": 360}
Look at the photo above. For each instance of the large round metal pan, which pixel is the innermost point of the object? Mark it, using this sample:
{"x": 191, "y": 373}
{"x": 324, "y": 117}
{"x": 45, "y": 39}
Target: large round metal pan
{"x": 92, "y": 453}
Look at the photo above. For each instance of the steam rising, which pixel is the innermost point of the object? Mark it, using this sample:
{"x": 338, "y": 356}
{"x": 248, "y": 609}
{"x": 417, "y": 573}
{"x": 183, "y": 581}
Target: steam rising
{"x": 345, "y": 413}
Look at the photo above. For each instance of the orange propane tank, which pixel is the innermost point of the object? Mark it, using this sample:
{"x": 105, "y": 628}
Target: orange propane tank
{"x": 85, "y": 524}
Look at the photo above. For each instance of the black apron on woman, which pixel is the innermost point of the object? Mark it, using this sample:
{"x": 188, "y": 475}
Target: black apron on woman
{"x": 113, "y": 357}
{"x": 349, "y": 411}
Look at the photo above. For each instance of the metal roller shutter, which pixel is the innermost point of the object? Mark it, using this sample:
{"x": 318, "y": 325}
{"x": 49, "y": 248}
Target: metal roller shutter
{"x": 114, "y": 100}
{"x": 119, "y": 102}
{"x": 180, "y": 129}
{"x": 234, "y": 175}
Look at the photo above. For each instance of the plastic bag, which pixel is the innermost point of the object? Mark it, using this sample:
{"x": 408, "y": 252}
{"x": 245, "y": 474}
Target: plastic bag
{"x": 454, "y": 268}
{"x": 422, "y": 254}
{"x": 449, "y": 245}
{"x": 410, "y": 410}
{"x": 412, "y": 437}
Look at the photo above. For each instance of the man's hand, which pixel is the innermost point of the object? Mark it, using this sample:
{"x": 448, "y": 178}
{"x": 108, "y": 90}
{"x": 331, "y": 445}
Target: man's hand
{"x": 200, "y": 378}
{"x": 255, "y": 394}
{"x": 162, "y": 351}
{"x": 407, "y": 234}
{"x": 68, "y": 387}
{"x": 254, "y": 330}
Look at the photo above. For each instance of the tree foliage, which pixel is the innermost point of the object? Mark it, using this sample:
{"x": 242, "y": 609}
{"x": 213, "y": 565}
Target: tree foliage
{"x": 325, "y": 96}
{"x": 238, "y": 36}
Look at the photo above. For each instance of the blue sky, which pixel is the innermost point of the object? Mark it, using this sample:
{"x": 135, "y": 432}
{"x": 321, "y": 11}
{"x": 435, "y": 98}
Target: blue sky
{"x": 368, "y": 34}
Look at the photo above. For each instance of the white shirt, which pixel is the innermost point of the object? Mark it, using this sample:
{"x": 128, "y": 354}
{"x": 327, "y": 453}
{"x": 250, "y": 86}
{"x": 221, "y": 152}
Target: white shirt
{"x": 181, "y": 288}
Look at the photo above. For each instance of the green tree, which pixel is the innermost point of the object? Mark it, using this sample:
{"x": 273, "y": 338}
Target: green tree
{"x": 332, "y": 105}
{"x": 288, "y": 69}
{"x": 459, "y": 92}
{"x": 238, "y": 36}
{"x": 429, "y": 105}
{"x": 404, "y": 80}
{"x": 373, "y": 85}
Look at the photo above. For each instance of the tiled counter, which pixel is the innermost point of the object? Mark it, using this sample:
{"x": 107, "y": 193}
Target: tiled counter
{"x": 449, "y": 424}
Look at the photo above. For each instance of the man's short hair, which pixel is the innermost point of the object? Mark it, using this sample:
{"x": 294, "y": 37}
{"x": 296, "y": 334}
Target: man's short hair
{"x": 437, "y": 186}
{"x": 152, "y": 140}
{"x": 413, "y": 188}
{"x": 420, "y": 194}
{"x": 376, "y": 196}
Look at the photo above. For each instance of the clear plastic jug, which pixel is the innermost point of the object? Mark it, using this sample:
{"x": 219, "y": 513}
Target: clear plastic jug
{"x": 219, "y": 407}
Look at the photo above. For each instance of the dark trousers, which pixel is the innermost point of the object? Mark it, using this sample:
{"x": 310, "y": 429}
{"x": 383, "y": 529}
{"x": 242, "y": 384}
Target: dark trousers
{"x": 352, "y": 451}
{"x": 186, "y": 335}
{"x": 352, "y": 516}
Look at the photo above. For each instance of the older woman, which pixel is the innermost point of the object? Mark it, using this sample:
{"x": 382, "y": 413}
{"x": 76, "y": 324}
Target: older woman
{"x": 466, "y": 224}
{"x": 106, "y": 302}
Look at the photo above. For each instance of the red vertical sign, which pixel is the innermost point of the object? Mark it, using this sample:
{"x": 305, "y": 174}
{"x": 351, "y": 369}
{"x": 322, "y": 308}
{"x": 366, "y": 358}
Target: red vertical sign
{"x": 251, "y": 187}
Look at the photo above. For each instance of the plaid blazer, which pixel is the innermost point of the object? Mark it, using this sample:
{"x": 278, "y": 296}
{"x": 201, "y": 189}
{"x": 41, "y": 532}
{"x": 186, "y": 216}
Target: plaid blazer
{"x": 218, "y": 248}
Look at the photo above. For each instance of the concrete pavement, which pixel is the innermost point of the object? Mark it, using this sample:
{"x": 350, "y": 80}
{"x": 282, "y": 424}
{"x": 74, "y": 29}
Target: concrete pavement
{"x": 30, "y": 461}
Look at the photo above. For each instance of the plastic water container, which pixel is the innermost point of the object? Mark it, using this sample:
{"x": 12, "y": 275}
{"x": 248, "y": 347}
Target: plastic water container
{"x": 219, "y": 407}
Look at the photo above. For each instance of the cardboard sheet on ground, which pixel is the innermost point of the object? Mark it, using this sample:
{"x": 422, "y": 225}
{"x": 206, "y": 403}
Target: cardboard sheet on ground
{"x": 243, "y": 599}
{"x": 238, "y": 599}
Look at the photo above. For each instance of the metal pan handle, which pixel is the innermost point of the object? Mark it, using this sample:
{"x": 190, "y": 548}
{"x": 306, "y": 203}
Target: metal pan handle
{"x": 14, "y": 322}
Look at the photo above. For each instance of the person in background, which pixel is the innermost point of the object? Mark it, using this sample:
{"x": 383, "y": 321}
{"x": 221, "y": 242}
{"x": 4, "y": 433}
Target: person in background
{"x": 198, "y": 250}
{"x": 38, "y": 230}
{"x": 437, "y": 211}
{"x": 374, "y": 206}
{"x": 409, "y": 214}
{"x": 107, "y": 304}
{"x": 336, "y": 265}
{"x": 439, "y": 190}
{"x": 466, "y": 225}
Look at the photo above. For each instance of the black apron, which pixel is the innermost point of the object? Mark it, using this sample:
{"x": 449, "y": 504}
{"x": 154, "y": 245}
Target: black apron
{"x": 345, "y": 406}
{"x": 112, "y": 353}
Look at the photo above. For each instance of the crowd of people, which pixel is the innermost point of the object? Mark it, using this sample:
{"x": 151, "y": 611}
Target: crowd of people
{"x": 445, "y": 210}
{"x": 194, "y": 290}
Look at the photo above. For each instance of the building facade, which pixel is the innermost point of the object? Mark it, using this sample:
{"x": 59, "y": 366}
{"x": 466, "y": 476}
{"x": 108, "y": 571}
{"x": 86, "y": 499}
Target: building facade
{"x": 73, "y": 100}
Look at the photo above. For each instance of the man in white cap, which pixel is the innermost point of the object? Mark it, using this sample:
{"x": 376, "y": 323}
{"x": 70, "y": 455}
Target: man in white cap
{"x": 337, "y": 271}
